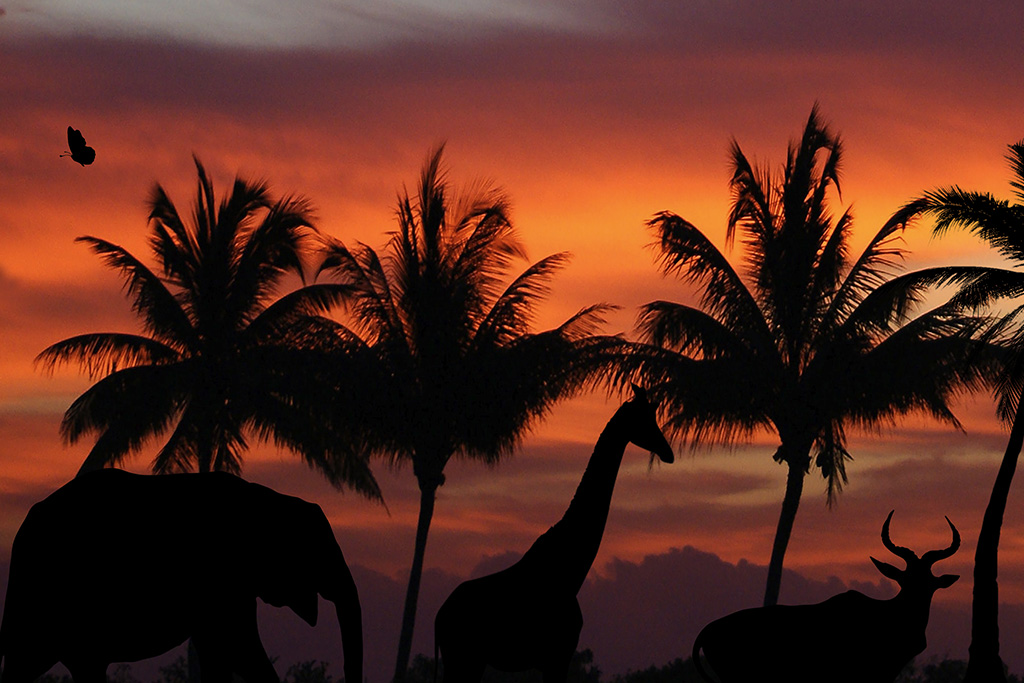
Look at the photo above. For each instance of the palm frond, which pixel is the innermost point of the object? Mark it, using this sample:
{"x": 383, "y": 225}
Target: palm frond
{"x": 233, "y": 218}
{"x": 159, "y": 308}
{"x": 180, "y": 452}
{"x": 483, "y": 245}
{"x": 371, "y": 301}
{"x": 172, "y": 242}
{"x": 311, "y": 300}
{"x": 831, "y": 458}
{"x": 994, "y": 220}
{"x": 751, "y": 206}
{"x": 1015, "y": 157}
{"x": 512, "y": 313}
{"x": 893, "y": 301}
{"x": 204, "y": 209}
{"x": 804, "y": 187}
{"x": 687, "y": 330}
{"x": 105, "y": 353}
{"x": 877, "y": 263}
{"x": 687, "y": 253}
{"x": 272, "y": 249}
{"x": 585, "y": 323}
{"x": 534, "y": 371}
{"x": 920, "y": 367}
{"x": 1009, "y": 381}
{"x": 705, "y": 402}
{"x": 130, "y": 405}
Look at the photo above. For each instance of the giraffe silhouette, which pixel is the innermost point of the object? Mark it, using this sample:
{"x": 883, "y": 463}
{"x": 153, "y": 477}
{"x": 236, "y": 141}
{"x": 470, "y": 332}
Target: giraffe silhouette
{"x": 527, "y": 616}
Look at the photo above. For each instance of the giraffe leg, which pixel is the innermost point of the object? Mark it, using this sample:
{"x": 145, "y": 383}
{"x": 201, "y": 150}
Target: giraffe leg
{"x": 563, "y": 645}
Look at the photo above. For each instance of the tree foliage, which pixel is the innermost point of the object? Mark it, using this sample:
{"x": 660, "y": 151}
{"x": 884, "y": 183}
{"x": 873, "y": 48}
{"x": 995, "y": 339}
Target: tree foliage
{"x": 804, "y": 338}
{"x": 438, "y": 332}
{"x": 222, "y": 357}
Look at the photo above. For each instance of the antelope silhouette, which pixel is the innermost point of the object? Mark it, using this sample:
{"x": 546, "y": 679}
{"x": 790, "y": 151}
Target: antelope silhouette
{"x": 527, "y": 616}
{"x": 849, "y": 638}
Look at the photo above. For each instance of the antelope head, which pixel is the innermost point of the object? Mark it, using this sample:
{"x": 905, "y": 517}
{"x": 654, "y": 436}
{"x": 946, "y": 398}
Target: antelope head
{"x": 917, "y": 578}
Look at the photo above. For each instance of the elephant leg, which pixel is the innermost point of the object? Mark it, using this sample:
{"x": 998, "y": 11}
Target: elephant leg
{"x": 214, "y": 666}
{"x": 230, "y": 643}
{"x": 250, "y": 660}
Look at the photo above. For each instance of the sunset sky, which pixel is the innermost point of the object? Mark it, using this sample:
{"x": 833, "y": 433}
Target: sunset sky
{"x": 593, "y": 116}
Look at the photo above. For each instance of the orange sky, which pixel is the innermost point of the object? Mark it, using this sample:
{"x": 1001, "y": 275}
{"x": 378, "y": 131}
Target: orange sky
{"x": 592, "y": 123}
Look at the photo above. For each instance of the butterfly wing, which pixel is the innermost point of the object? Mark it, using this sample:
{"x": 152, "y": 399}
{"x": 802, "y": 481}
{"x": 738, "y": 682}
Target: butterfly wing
{"x": 86, "y": 156}
{"x": 76, "y": 140}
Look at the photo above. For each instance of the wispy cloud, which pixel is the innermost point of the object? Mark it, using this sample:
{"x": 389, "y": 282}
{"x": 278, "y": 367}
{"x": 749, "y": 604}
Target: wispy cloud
{"x": 287, "y": 24}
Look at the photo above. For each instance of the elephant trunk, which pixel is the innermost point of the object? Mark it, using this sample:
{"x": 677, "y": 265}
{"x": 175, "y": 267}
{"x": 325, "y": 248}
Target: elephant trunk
{"x": 351, "y": 622}
{"x": 345, "y": 597}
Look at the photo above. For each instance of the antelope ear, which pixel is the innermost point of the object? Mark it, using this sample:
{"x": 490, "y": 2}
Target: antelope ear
{"x": 638, "y": 392}
{"x": 888, "y": 571}
{"x": 946, "y": 580}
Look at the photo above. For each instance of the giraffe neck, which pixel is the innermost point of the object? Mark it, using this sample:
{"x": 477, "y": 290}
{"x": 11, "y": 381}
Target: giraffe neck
{"x": 568, "y": 549}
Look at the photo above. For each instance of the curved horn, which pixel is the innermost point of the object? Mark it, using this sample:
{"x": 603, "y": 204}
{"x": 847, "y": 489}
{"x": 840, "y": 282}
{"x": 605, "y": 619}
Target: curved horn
{"x": 904, "y": 553}
{"x": 933, "y": 556}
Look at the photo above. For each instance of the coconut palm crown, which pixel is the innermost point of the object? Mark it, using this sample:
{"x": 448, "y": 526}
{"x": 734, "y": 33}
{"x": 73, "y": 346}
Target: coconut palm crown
{"x": 221, "y": 356}
{"x": 804, "y": 340}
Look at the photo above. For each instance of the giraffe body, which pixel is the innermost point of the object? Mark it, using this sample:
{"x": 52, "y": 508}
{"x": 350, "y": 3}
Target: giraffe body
{"x": 527, "y": 616}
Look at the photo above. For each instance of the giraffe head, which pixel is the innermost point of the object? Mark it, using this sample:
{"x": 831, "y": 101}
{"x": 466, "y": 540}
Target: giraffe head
{"x": 642, "y": 426}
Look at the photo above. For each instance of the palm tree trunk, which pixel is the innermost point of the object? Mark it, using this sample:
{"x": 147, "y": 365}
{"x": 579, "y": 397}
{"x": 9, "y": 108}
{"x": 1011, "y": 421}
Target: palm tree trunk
{"x": 427, "y": 495}
{"x": 790, "y": 502}
{"x": 984, "y": 663}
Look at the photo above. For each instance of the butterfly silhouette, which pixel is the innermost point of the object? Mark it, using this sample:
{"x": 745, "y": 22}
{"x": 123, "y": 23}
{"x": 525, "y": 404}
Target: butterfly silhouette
{"x": 80, "y": 152}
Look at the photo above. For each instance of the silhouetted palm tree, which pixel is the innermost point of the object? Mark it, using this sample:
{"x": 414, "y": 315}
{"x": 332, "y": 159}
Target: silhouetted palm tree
{"x": 459, "y": 372}
{"x": 220, "y": 357}
{"x": 1001, "y": 224}
{"x": 807, "y": 342}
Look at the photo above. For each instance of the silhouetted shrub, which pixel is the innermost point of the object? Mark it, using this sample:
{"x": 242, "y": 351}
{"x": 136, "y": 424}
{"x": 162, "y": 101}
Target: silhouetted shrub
{"x": 581, "y": 670}
{"x": 676, "y": 671}
{"x": 175, "y": 672}
{"x": 51, "y": 678}
{"x": 118, "y": 673}
{"x": 309, "y": 671}
{"x": 940, "y": 671}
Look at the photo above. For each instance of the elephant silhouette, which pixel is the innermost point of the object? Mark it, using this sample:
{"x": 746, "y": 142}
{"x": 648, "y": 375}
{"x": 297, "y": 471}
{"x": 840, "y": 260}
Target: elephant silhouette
{"x": 118, "y": 567}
